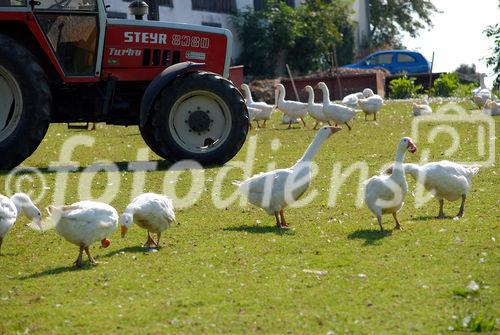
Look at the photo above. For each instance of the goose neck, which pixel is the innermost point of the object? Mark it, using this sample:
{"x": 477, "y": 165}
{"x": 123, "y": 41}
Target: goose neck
{"x": 312, "y": 150}
{"x": 411, "y": 169}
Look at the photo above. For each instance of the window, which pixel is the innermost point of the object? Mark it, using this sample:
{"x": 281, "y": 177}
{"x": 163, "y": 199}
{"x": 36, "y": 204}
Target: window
{"x": 217, "y": 6}
{"x": 166, "y": 3}
{"x": 380, "y": 59}
{"x": 74, "y": 39}
{"x": 404, "y": 58}
{"x": 68, "y": 5}
{"x": 211, "y": 24}
{"x": 12, "y": 3}
{"x": 116, "y": 15}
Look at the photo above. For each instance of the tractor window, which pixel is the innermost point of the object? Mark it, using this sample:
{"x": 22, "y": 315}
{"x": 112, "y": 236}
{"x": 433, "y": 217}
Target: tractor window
{"x": 12, "y": 3}
{"x": 74, "y": 39}
{"x": 69, "y": 5}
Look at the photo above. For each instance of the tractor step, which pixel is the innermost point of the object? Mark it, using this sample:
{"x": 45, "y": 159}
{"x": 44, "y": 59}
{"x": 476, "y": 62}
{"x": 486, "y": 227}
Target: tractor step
{"x": 80, "y": 125}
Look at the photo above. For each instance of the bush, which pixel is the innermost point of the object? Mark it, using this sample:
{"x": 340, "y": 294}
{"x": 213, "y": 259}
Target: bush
{"x": 464, "y": 90}
{"x": 403, "y": 88}
{"x": 445, "y": 85}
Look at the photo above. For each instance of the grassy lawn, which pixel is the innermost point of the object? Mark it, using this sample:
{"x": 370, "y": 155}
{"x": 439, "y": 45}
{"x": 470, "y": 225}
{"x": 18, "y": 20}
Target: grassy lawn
{"x": 222, "y": 271}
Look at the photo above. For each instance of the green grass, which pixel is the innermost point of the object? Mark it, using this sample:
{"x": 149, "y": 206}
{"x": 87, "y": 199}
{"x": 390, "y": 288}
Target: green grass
{"x": 220, "y": 272}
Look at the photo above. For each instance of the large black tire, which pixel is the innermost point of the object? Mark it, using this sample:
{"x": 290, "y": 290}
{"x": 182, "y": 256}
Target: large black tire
{"x": 25, "y": 102}
{"x": 200, "y": 116}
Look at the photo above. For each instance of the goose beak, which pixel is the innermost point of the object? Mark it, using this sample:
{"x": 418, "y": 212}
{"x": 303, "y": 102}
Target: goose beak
{"x": 105, "y": 243}
{"x": 38, "y": 222}
{"x": 412, "y": 147}
{"x": 334, "y": 129}
{"x": 124, "y": 230}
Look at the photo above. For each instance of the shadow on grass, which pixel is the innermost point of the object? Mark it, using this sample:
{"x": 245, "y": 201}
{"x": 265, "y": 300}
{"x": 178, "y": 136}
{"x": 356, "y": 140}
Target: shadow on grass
{"x": 132, "y": 250}
{"x": 58, "y": 270}
{"x": 371, "y": 237}
{"x": 429, "y": 218}
{"x": 260, "y": 229}
{"x": 123, "y": 166}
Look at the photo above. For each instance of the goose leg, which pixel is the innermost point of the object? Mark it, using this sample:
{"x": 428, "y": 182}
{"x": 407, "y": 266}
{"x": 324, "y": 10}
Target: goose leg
{"x": 158, "y": 239}
{"x": 375, "y": 116}
{"x": 149, "y": 241}
{"x": 264, "y": 124}
{"x": 348, "y": 126}
{"x": 278, "y": 224}
{"x": 304, "y": 122}
{"x": 258, "y": 125}
{"x": 1, "y": 240}
{"x": 328, "y": 123}
{"x": 398, "y": 226}
{"x": 78, "y": 262}
{"x": 379, "y": 219}
{"x": 441, "y": 212}
{"x": 283, "y": 221}
{"x": 315, "y": 125}
{"x": 461, "y": 210}
{"x": 290, "y": 124}
{"x": 91, "y": 259}
{"x": 366, "y": 115}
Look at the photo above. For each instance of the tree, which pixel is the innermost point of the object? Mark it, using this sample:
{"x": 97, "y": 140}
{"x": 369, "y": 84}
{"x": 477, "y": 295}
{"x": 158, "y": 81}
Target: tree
{"x": 467, "y": 73}
{"x": 389, "y": 18}
{"x": 302, "y": 37}
{"x": 494, "y": 60}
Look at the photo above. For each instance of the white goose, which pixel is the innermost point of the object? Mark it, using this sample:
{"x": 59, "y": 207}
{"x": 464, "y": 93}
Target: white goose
{"x": 315, "y": 110}
{"x": 492, "y": 108}
{"x": 371, "y": 104}
{"x": 11, "y": 207}
{"x": 150, "y": 211}
{"x": 351, "y": 100}
{"x": 423, "y": 109}
{"x": 293, "y": 109}
{"x": 265, "y": 108}
{"x": 252, "y": 114}
{"x": 83, "y": 223}
{"x": 481, "y": 96}
{"x": 274, "y": 190}
{"x": 335, "y": 112}
{"x": 384, "y": 194}
{"x": 445, "y": 179}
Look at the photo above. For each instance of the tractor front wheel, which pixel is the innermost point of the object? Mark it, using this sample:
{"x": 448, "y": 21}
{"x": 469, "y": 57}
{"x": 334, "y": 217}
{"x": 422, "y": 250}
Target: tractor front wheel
{"x": 201, "y": 117}
{"x": 24, "y": 103}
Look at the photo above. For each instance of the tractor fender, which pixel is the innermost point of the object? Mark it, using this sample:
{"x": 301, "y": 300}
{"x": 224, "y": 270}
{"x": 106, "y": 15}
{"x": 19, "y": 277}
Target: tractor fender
{"x": 159, "y": 82}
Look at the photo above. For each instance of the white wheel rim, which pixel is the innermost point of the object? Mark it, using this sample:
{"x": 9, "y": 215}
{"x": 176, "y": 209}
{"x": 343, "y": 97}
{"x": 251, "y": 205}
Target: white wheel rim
{"x": 211, "y": 107}
{"x": 11, "y": 103}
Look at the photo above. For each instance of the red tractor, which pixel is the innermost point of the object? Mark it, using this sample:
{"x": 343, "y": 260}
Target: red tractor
{"x": 64, "y": 61}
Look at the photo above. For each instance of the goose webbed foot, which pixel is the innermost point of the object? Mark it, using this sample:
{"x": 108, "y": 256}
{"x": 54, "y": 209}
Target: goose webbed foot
{"x": 283, "y": 225}
{"x": 91, "y": 259}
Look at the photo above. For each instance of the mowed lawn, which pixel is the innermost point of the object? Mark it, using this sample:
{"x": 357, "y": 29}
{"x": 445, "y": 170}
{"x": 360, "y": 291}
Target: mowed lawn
{"x": 230, "y": 270}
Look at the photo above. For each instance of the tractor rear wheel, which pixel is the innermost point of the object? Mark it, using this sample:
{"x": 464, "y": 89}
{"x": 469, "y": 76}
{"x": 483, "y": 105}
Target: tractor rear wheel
{"x": 24, "y": 103}
{"x": 201, "y": 117}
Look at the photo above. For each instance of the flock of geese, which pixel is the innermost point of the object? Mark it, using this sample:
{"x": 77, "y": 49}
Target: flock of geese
{"x": 86, "y": 222}
{"x": 326, "y": 112}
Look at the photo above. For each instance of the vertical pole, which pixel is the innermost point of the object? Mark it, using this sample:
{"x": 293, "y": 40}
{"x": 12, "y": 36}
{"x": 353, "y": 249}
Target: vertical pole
{"x": 430, "y": 75}
{"x": 335, "y": 66}
{"x": 293, "y": 82}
